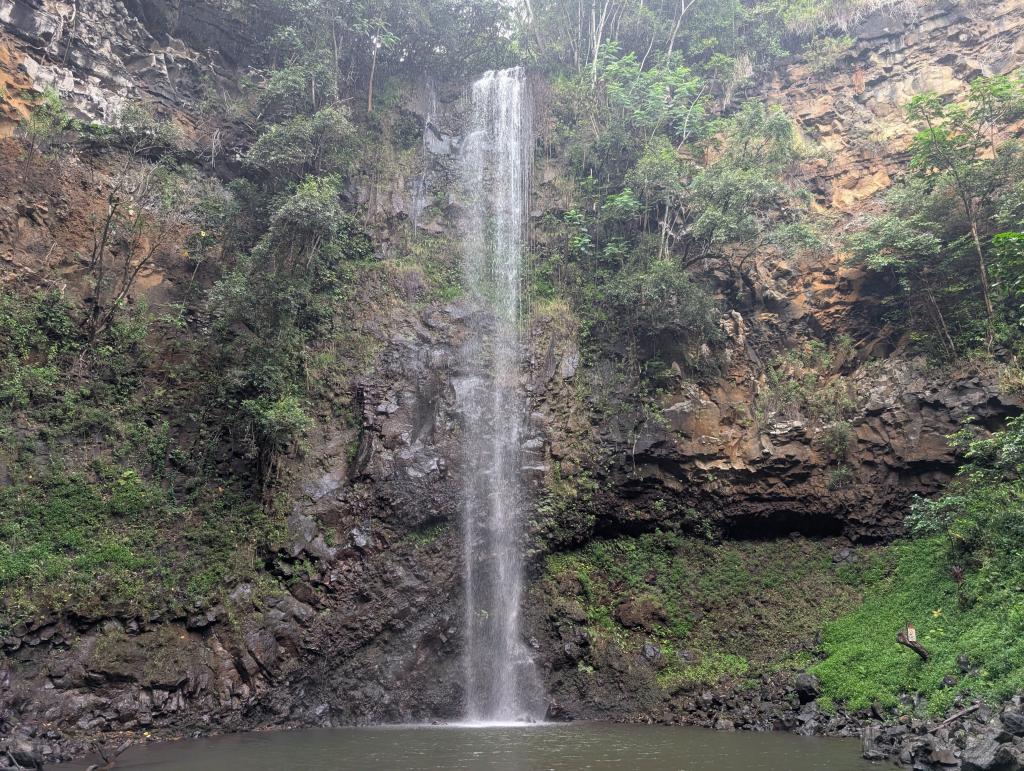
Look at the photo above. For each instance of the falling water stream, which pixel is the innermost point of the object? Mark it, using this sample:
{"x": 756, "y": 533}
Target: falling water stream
{"x": 501, "y": 681}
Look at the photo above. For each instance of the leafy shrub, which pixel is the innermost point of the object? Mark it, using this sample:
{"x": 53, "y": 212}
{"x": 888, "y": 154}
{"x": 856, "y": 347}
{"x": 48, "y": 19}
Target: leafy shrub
{"x": 663, "y": 306}
{"x": 137, "y": 125}
{"x": 839, "y": 477}
{"x": 47, "y": 121}
{"x": 835, "y": 439}
{"x": 824, "y": 53}
{"x": 958, "y": 581}
{"x": 317, "y": 144}
{"x": 276, "y": 425}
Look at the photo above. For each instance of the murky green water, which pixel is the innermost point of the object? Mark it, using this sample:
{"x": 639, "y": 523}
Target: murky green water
{"x": 567, "y": 747}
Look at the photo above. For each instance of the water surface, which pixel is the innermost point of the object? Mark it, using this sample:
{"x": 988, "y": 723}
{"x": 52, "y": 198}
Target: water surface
{"x": 552, "y": 747}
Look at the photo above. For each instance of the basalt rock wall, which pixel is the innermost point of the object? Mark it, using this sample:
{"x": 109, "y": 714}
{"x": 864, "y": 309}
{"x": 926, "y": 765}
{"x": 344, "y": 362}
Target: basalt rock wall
{"x": 370, "y": 627}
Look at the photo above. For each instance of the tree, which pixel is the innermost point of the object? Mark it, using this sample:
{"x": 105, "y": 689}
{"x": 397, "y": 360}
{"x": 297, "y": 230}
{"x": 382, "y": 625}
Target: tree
{"x": 904, "y": 243}
{"x": 321, "y": 143}
{"x": 144, "y": 212}
{"x": 380, "y": 37}
{"x": 47, "y": 121}
{"x": 662, "y": 308}
{"x": 935, "y": 241}
{"x": 956, "y": 146}
{"x": 279, "y": 296}
{"x": 738, "y": 195}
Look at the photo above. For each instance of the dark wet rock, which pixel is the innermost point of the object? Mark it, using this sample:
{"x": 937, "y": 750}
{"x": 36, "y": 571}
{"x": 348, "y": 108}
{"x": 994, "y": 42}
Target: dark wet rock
{"x": 651, "y": 652}
{"x": 807, "y": 687}
{"x": 263, "y": 647}
{"x": 944, "y": 756}
{"x": 1013, "y": 722}
{"x": 640, "y": 614}
{"x": 984, "y": 753}
{"x": 556, "y": 712}
{"x": 843, "y": 555}
{"x": 203, "y": 619}
{"x": 307, "y": 539}
{"x": 25, "y": 753}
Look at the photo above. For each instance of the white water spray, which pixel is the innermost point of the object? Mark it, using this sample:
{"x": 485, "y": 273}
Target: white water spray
{"x": 502, "y": 684}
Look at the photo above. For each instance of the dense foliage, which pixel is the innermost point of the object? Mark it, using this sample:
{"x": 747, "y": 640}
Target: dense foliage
{"x": 958, "y": 581}
{"x": 948, "y": 245}
{"x": 664, "y": 178}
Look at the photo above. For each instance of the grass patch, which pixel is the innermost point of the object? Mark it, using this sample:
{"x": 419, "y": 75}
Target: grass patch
{"x": 732, "y": 607}
{"x": 427, "y": 534}
{"x": 865, "y": 665}
{"x": 712, "y": 668}
{"x": 960, "y": 582}
{"x": 117, "y": 545}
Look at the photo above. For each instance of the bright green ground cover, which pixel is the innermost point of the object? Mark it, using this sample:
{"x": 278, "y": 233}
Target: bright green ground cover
{"x": 960, "y": 582}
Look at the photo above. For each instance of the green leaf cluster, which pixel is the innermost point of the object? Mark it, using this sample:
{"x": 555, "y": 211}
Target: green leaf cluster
{"x": 959, "y": 581}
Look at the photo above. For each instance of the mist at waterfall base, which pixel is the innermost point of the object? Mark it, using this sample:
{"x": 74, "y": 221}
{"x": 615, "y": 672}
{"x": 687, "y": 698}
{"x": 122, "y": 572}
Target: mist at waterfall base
{"x": 501, "y": 682}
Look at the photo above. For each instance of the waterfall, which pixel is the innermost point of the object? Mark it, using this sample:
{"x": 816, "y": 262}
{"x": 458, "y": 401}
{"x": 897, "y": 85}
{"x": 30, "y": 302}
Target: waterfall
{"x": 502, "y": 684}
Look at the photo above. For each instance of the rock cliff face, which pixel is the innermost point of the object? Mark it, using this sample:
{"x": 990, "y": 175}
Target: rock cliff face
{"x": 758, "y": 462}
{"x": 98, "y": 54}
{"x": 370, "y": 628}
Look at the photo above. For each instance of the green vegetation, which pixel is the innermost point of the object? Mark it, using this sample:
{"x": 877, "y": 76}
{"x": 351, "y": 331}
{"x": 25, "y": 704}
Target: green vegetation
{"x": 726, "y": 41}
{"x": 659, "y": 186}
{"x": 138, "y": 527}
{"x": 355, "y": 46}
{"x": 716, "y": 610}
{"x": 959, "y": 581}
{"x": 119, "y": 545}
{"x": 428, "y": 534}
{"x": 947, "y": 248}
{"x": 47, "y": 122}
{"x": 801, "y": 383}
{"x": 565, "y": 513}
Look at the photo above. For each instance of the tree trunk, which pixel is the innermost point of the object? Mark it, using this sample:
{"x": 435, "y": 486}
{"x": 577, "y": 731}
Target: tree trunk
{"x": 940, "y": 321}
{"x": 373, "y": 70}
{"x": 985, "y": 293}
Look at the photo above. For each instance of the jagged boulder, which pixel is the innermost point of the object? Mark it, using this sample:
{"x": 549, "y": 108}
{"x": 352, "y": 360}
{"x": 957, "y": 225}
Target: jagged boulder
{"x": 1013, "y": 722}
{"x": 807, "y": 687}
{"x": 985, "y": 752}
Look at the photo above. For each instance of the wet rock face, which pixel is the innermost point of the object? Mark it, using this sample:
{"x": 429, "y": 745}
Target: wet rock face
{"x": 98, "y": 54}
{"x": 409, "y": 441}
{"x": 710, "y": 455}
{"x": 856, "y": 109}
{"x": 778, "y": 478}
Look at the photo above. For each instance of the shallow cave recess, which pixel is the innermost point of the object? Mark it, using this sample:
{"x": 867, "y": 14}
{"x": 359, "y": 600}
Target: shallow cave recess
{"x": 782, "y": 524}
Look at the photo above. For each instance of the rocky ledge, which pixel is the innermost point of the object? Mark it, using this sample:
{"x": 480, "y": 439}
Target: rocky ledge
{"x": 977, "y": 738}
